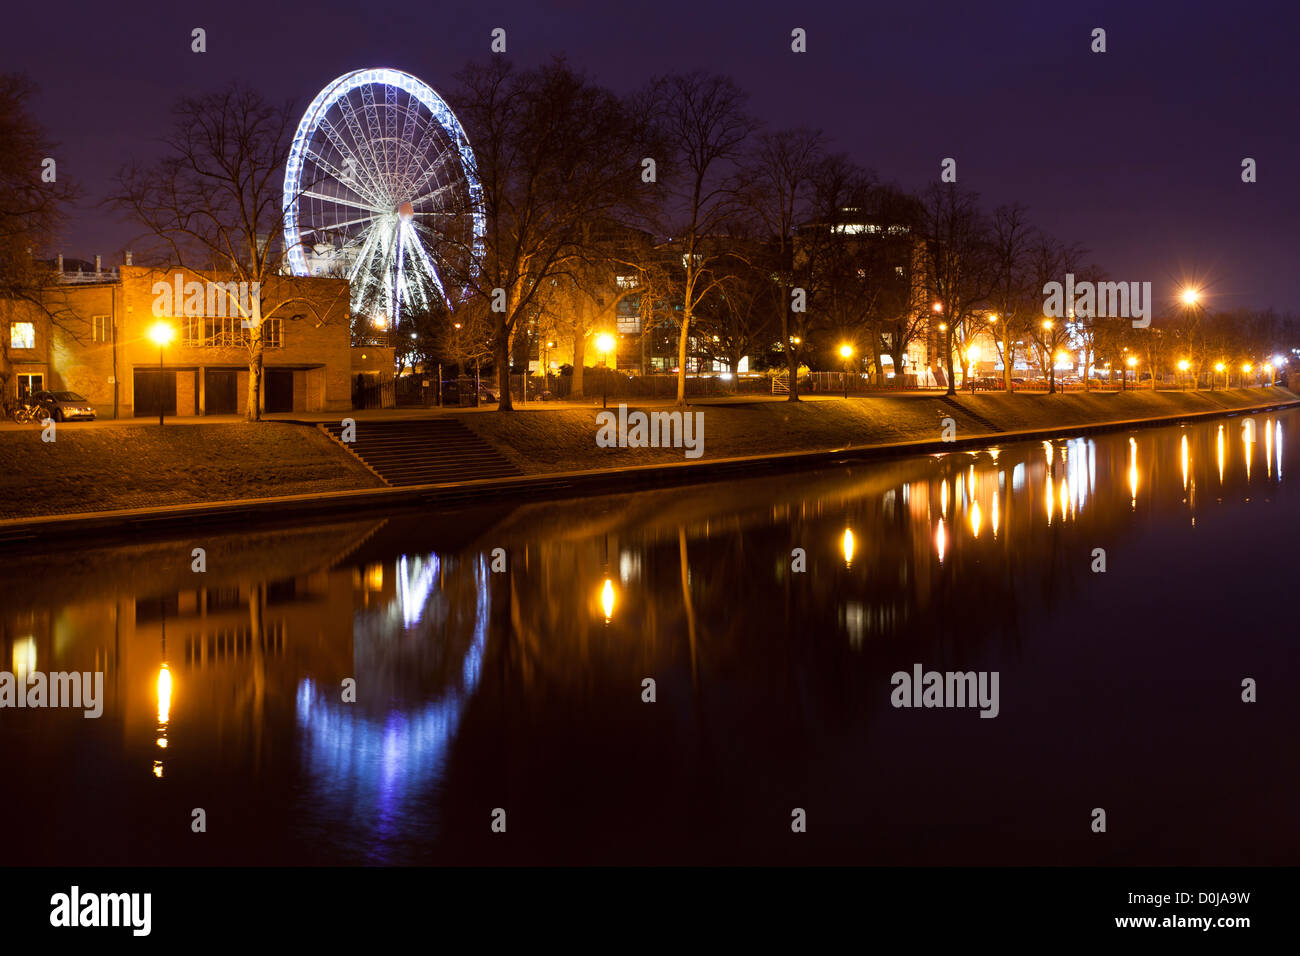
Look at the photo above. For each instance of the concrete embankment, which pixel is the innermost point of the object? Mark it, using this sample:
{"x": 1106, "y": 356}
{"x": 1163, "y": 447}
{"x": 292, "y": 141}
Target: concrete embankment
{"x": 111, "y": 482}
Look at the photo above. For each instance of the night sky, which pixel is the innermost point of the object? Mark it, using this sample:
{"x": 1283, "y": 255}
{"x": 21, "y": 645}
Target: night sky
{"x": 1135, "y": 153}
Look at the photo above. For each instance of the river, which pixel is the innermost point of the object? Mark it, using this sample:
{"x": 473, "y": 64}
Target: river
{"x": 502, "y": 657}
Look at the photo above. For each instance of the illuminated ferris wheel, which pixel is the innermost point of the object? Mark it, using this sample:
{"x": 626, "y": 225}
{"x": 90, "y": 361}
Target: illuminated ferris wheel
{"x": 381, "y": 187}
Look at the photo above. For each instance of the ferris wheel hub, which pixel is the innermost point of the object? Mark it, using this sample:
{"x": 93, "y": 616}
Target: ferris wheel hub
{"x": 405, "y": 212}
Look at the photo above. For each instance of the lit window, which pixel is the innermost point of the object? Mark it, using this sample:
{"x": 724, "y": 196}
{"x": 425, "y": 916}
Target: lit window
{"x": 103, "y": 328}
{"x": 22, "y": 335}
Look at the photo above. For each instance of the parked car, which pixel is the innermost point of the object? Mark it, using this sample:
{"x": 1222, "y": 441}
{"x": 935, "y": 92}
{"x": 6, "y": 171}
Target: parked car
{"x": 452, "y": 388}
{"x": 65, "y": 406}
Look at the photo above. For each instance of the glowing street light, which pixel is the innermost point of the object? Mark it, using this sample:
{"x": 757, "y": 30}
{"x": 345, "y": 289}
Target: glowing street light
{"x": 847, "y": 544}
{"x": 605, "y": 343}
{"x": 161, "y": 334}
{"x": 1191, "y": 296}
{"x": 846, "y": 353}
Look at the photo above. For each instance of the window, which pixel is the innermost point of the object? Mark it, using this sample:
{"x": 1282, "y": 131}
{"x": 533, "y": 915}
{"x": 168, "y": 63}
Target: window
{"x": 271, "y": 334}
{"x": 103, "y": 328}
{"x": 22, "y": 335}
{"x": 229, "y": 332}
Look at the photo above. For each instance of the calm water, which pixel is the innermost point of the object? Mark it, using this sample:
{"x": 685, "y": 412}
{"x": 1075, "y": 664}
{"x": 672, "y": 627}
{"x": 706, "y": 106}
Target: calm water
{"x": 522, "y": 690}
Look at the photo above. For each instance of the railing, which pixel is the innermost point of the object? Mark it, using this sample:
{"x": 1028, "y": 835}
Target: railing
{"x": 374, "y": 394}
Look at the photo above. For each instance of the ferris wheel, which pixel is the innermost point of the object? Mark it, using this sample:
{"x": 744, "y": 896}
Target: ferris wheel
{"x": 381, "y": 187}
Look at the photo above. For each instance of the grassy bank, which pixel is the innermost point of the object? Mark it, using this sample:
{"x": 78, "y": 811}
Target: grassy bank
{"x": 544, "y": 440}
{"x": 109, "y": 466}
{"x": 138, "y": 466}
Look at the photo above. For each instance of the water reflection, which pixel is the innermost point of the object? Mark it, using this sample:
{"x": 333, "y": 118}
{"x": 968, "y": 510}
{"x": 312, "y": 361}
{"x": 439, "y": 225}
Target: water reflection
{"x": 479, "y": 683}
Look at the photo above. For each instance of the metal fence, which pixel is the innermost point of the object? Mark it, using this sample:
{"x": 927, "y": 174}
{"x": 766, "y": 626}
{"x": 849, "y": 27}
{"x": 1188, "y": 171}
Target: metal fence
{"x": 371, "y": 394}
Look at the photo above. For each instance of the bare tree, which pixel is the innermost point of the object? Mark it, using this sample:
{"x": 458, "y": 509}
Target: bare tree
{"x": 212, "y": 208}
{"x": 31, "y": 208}
{"x": 554, "y": 152}
{"x": 1015, "y": 298}
{"x": 777, "y": 181}
{"x": 957, "y": 253}
{"x": 1050, "y": 261}
{"x": 704, "y": 120}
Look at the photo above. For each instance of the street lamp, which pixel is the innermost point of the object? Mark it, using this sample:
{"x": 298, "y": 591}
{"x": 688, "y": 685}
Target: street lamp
{"x": 846, "y": 353}
{"x": 1191, "y": 296}
{"x": 1183, "y": 366}
{"x": 161, "y": 334}
{"x": 605, "y": 343}
{"x": 1219, "y": 367}
{"x": 1245, "y": 370}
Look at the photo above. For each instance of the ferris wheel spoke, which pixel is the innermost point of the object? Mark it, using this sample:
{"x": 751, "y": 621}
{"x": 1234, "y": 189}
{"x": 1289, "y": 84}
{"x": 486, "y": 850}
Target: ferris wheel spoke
{"x": 335, "y": 226}
{"x": 341, "y": 201}
{"x": 410, "y": 122}
{"x": 356, "y": 173}
{"x": 430, "y": 195}
{"x": 375, "y": 126}
{"x": 420, "y": 183}
{"x": 373, "y": 166}
{"x": 344, "y": 178}
{"x": 428, "y": 132}
{"x": 390, "y": 127}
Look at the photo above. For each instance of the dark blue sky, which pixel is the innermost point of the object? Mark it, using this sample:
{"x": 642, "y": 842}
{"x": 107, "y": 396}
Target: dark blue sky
{"x": 1135, "y": 153}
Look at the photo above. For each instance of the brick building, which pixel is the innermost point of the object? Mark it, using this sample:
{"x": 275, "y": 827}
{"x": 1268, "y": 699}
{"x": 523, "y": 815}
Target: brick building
{"x": 92, "y": 337}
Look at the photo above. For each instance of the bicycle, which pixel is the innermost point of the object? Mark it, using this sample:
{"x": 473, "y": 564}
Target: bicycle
{"x": 28, "y": 413}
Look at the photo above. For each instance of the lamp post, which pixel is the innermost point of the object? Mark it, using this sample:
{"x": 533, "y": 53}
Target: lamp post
{"x": 605, "y": 343}
{"x": 1131, "y": 362}
{"x": 846, "y": 353}
{"x": 1218, "y": 367}
{"x": 161, "y": 334}
{"x": 1183, "y": 366}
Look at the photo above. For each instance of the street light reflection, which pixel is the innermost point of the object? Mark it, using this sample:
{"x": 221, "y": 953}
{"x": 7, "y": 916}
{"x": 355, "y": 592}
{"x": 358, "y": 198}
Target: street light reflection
{"x": 607, "y": 600}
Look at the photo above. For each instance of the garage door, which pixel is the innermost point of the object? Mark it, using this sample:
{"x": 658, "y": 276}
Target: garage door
{"x": 154, "y": 388}
{"x": 220, "y": 395}
{"x": 279, "y": 390}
